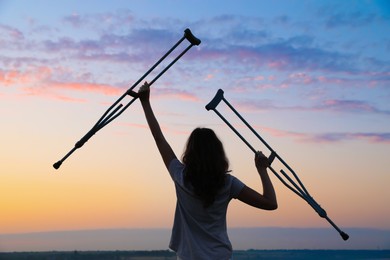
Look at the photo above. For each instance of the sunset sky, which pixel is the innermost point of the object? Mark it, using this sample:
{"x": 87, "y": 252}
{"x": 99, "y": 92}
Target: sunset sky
{"x": 312, "y": 77}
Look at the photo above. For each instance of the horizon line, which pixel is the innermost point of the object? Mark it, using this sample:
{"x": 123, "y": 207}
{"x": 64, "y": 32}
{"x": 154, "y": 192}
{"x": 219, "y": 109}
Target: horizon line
{"x": 169, "y": 228}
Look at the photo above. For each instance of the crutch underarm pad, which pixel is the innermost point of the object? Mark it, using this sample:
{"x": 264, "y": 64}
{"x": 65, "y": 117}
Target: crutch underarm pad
{"x": 191, "y": 38}
{"x": 215, "y": 101}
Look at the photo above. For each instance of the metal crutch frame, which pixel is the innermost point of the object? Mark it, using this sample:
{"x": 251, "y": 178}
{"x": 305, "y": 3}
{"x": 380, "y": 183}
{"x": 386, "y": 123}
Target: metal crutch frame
{"x": 115, "y": 110}
{"x": 299, "y": 189}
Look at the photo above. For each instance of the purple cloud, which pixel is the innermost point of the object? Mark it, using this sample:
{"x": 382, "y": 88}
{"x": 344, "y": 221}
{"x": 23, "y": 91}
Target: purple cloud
{"x": 12, "y": 38}
{"x": 231, "y": 47}
{"x": 332, "y": 137}
{"x": 352, "y": 106}
{"x": 136, "y": 46}
{"x": 333, "y": 105}
{"x": 101, "y": 21}
{"x": 245, "y": 47}
{"x": 10, "y": 32}
{"x": 338, "y": 137}
{"x": 281, "y": 55}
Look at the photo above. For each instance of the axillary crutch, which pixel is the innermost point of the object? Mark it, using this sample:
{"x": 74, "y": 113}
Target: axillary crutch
{"x": 299, "y": 188}
{"x": 115, "y": 110}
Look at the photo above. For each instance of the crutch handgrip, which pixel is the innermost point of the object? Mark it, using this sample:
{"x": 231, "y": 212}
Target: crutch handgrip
{"x": 85, "y": 138}
{"x": 215, "y": 101}
{"x": 132, "y": 93}
{"x": 191, "y": 38}
{"x": 271, "y": 157}
{"x": 321, "y": 212}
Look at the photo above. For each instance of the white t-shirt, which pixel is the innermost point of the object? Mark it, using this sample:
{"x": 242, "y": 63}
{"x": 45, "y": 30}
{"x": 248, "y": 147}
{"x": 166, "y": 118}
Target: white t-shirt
{"x": 198, "y": 232}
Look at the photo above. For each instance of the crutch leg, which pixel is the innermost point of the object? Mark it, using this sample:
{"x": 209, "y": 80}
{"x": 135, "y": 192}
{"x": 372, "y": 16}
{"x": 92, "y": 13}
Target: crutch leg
{"x": 298, "y": 188}
{"x": 115, "y": 110}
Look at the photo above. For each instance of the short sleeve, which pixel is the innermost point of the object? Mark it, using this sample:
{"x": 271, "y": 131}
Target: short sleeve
{"x": 176, "y": 170}
{"x": 236, "y": 187}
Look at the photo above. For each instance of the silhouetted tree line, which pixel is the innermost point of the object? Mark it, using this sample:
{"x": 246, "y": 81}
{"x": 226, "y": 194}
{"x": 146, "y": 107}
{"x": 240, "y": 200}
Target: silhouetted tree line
{"x": 169, "y": 255}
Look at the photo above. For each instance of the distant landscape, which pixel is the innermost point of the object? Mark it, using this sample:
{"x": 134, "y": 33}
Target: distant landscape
{"x": 158, "y": 239}
{"x": 239, "y": 254}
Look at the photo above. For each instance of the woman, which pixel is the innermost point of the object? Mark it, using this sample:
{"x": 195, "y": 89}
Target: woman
{"x": 204, "y": 190}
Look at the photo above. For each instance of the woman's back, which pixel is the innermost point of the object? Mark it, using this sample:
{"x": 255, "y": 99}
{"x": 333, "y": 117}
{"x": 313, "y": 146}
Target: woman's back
{"x": 194, "y": 223}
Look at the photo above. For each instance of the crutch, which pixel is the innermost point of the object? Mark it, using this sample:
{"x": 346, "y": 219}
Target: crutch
{"x": 115, "y": 110}
{"x": 298, "y": 188}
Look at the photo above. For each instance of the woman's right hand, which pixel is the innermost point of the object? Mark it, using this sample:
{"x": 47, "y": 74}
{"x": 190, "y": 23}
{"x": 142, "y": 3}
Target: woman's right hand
{"x": 144, "y": 92}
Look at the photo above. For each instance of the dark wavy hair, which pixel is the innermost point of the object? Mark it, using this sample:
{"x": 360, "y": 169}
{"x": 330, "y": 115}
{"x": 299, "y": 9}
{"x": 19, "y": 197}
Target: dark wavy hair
{"x": 205, "y": 164}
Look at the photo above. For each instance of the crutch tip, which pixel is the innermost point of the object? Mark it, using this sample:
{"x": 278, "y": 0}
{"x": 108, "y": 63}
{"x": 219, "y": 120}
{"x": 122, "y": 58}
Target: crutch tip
{"x": 345, "y": 236}
{"x": 57, "y": 165}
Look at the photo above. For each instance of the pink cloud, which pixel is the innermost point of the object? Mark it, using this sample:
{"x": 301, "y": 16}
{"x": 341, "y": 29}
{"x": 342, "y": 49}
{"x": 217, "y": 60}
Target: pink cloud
{"x": 277, "y": 64}
{"x": 301, "y": 77}
{"x": 40, "y": 92}
{"x": 13, "y": 77}
{"x": 259, "y": 78}
{"x": 254, "y": 78}
{"x": 39, "y": 82}
{"x": 282, "y": 133}
{"x": 8, "y": 78}
{"x": 69, "y": 99}
{"x": 329, "y": 80}
{"x": 178, "y": 94}
{"x": 269, "y": 86}
{"x": 209, "y": 76}
{"x": 87, "y": 87}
